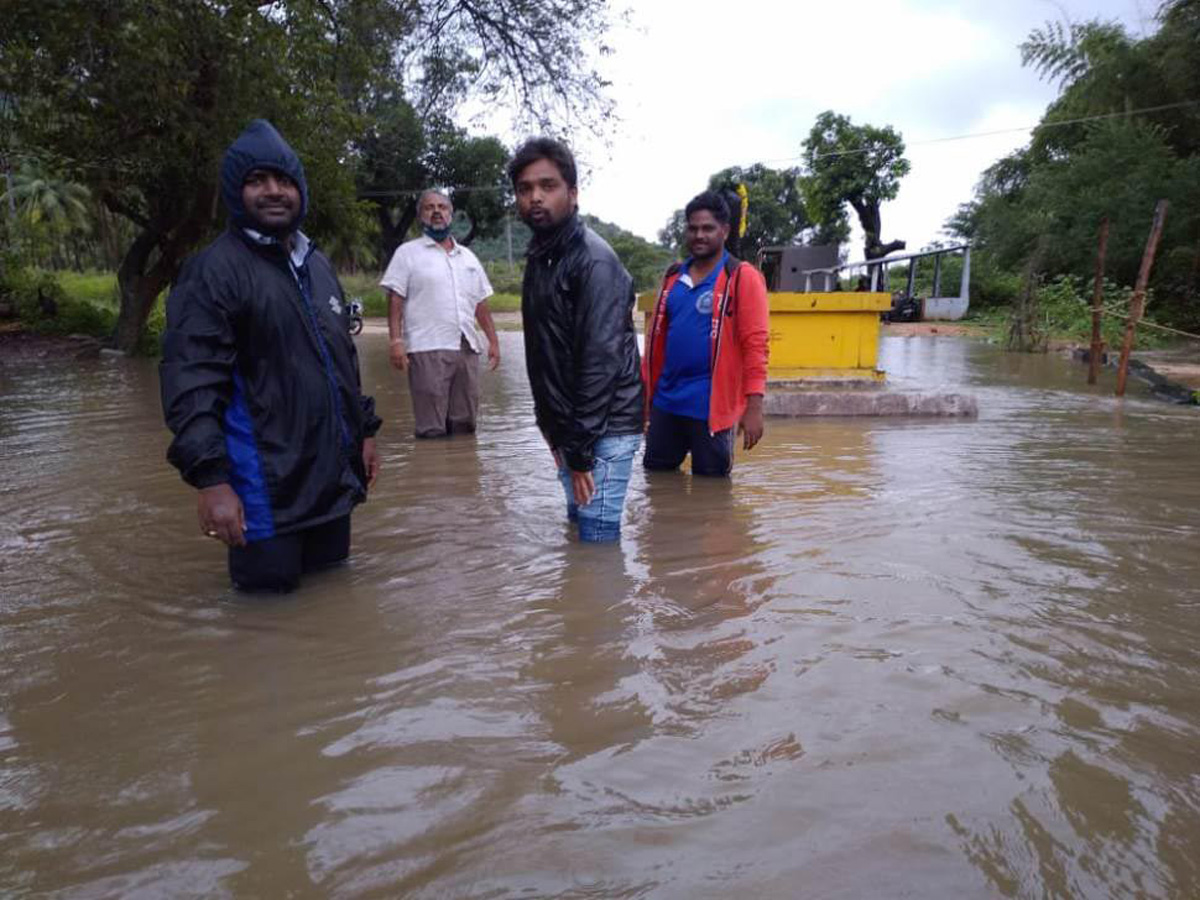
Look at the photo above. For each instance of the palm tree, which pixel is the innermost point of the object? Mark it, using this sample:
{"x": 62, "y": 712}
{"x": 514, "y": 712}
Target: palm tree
{"x": 44, "y": 196}
{"x": 53, "y": 209}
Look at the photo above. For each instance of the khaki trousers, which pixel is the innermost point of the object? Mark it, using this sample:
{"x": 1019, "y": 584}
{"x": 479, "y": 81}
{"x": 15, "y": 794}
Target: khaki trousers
{"x": 444, "y": 385}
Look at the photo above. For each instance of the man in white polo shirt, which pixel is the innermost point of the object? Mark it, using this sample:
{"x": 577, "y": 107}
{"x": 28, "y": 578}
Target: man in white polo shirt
{"x": 437, "y": 291}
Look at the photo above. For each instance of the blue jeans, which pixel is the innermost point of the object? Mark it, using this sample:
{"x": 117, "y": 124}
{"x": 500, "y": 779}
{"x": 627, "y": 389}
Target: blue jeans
{"x": 600, "y": 520}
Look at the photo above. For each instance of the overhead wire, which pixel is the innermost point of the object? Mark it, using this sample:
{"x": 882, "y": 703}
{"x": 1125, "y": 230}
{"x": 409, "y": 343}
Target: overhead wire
{"x": 834, "y": 153}
{"x": 1014, "y": 130}
{"x": 485, "y": 188}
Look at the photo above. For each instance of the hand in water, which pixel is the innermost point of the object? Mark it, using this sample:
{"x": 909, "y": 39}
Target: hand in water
{"x": 221, "y": 516}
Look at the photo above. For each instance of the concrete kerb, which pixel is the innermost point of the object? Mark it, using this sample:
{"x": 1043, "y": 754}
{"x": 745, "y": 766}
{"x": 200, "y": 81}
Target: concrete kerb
{"x": 795, "y": 403}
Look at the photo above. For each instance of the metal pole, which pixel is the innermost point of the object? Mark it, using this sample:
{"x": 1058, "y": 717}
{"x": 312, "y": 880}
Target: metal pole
{"x": 508, "y": 235}
{"x": 1098, "y": 305}
{"x": 1138, "y": 304}
{"x": 964, "y": 289}
{"x": 937, "y": 276}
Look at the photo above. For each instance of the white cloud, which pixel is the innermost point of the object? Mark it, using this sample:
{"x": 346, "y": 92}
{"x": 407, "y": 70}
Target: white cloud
{"x": 704, "y": 84}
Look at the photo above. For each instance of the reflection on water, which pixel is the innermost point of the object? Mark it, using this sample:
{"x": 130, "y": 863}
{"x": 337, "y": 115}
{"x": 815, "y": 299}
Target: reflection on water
{"x": 939, "y": 658}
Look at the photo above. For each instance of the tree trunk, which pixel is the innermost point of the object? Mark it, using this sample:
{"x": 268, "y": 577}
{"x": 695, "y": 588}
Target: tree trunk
{"x": 871, "y": 222}
{"x": 1025, "y": 333}
{"x": 139, "y": 283}
{"x": 392, "y": 234}
{"x": 138, "y": 291}
{"x": 1190, "y": 291}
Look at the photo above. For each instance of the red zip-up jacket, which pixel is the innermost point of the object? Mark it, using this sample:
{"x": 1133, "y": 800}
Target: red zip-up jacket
{"x": 738, "y": 341}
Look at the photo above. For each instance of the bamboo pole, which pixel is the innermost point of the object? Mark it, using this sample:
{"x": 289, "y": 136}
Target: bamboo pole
{"x": 1098, "y": 304}
{"x": 1138, "y": 304}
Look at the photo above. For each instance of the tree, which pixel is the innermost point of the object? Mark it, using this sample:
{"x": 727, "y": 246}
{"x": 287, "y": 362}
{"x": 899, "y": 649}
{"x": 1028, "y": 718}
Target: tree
{"x": 644, "y": 261}
{"x": 1074, "y": 173}
{"x": 776, "y": 213}
{"x": 859, "y": 165}
{"x": 139, "y": 98}
{"x": 673, "y": 235}
{"x": 391, "y": 169}
{"x": 402, "y": 154}
{"x": 42, "y": 195}
{"x": 51, "y": 210}
{"x": 474, "y": 168}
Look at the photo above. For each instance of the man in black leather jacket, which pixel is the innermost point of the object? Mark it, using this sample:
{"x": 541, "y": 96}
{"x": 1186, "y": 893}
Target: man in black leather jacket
{"x": 580, "y": 345}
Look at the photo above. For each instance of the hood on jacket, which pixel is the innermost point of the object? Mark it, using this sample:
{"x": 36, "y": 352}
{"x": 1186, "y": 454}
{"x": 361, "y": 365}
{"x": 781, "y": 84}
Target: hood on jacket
{"x": 260, "y": 146}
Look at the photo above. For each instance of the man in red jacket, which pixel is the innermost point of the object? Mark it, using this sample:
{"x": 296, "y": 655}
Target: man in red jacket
{"x": 705, "y": 366}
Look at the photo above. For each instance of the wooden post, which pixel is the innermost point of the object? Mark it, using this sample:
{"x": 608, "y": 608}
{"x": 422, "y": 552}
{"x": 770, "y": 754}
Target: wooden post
{"x": 1098, "y": 305}
{"x": 1138, "y": 304}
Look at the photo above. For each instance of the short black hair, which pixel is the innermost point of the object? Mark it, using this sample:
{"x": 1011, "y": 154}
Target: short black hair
{"x": 544, "y": 148}
{"x": 713, "y": 202}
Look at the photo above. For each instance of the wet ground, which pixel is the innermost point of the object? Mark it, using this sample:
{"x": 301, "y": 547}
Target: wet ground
{"x": 889, "y": 659}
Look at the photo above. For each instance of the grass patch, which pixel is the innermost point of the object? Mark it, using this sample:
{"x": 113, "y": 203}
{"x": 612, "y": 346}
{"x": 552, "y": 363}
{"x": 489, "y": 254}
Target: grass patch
{"x": 504, "y": 303}
{"x": 366, "y": 288}
{"x": 97, "y": 288}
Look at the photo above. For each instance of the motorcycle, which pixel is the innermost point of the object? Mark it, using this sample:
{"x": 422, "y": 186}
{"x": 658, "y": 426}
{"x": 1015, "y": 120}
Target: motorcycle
{"x": 354, "y": 311}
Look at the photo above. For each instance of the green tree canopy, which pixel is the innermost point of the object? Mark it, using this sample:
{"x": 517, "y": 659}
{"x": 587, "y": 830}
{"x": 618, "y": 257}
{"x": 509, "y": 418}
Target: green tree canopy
{"x": 859, "y": 165}
{"x": 139, "y": 98}
{"x": 1073, "y": 173}
{"x": 645, "y": 261}
{"x": 776, "y": 213}
{"x": 403, "y": 153}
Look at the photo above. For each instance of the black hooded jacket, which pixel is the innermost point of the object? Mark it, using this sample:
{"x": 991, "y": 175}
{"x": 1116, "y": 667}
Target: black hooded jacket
{"x": 259, "y": 375}
{"x": 580, "y": 345}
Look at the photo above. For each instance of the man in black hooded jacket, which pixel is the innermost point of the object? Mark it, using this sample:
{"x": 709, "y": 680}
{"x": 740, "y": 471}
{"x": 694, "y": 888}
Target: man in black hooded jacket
{"x": 260, "y": 381}
{"x": 580, "y": 345}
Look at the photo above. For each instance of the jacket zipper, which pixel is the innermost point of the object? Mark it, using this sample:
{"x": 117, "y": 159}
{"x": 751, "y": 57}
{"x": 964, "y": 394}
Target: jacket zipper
{"x": 323, "y": 349}
{"x": 720, "y": 331}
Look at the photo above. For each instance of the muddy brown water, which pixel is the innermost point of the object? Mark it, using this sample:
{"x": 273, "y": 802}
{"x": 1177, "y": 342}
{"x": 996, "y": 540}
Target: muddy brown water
{"x": 890, "y": 659}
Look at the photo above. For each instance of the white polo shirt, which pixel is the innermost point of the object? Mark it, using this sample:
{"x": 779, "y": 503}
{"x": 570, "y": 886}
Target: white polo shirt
{"x": 441, "y": 290}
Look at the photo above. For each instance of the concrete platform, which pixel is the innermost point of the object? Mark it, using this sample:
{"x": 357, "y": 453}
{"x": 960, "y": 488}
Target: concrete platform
{"x": 815, "y": 402}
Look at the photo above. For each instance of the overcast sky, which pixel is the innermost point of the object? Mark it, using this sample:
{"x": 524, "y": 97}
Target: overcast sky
{"x": 931, "y": 69}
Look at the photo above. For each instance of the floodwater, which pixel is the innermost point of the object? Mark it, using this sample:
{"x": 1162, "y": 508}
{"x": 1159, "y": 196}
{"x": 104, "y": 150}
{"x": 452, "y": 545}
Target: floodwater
{"x": 889, "y": 659}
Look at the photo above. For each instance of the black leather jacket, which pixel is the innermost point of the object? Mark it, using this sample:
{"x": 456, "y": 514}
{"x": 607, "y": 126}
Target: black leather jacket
{"x": 580, "y": 345}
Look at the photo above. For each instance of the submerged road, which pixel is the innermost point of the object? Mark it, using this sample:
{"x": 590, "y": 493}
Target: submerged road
{"x": 890, "y": 658}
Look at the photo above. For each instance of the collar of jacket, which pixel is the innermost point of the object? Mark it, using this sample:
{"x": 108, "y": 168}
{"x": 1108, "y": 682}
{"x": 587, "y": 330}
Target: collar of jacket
{"x": 298, "y": 256}
{"x": 548, "y": 244}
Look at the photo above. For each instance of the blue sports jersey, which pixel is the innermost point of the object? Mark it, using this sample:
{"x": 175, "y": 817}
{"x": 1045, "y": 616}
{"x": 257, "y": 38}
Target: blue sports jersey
{"x": 686, "y": 381}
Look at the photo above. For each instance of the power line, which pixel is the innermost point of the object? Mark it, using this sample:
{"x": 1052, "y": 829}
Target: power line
{"x": 492, "y": 188}
{"x": 469, "y": 189}
{"x": 942, "y": 140}
{"x": 965, "y": 137}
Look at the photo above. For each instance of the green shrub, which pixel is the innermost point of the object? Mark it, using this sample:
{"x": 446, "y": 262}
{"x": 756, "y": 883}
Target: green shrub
{"x": 1064, "y": 312}
{"x": 505, "y": 279}
{"x": 365, "y": 287}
